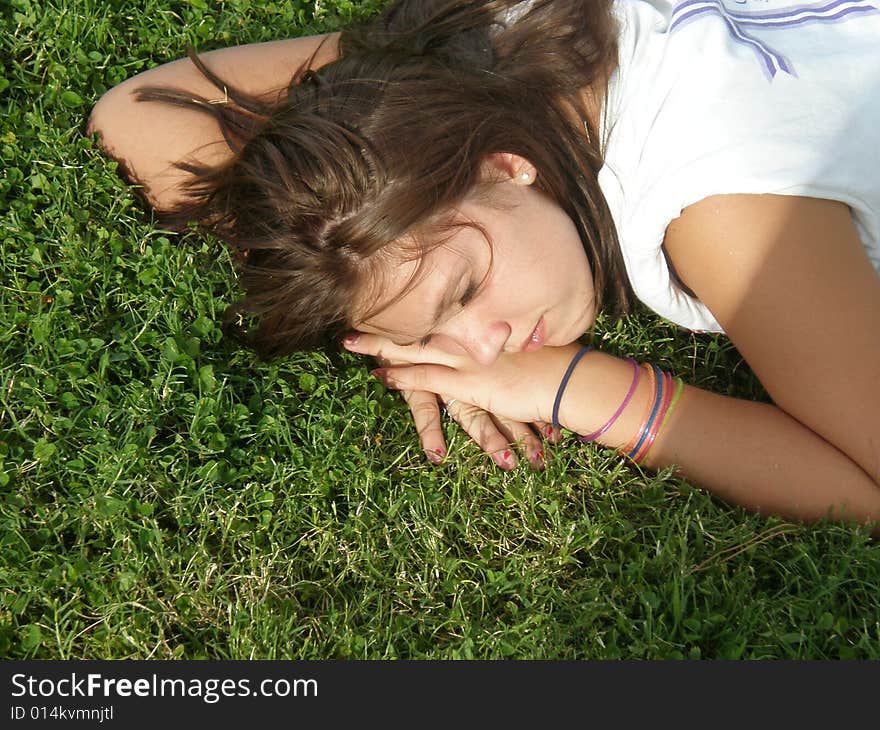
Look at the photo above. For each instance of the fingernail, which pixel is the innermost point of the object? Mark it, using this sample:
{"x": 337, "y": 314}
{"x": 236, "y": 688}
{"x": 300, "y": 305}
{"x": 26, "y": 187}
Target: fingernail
{"x": 435, "y": 456}
{"x": 506, "y": 459}
{"x": 351, "y": 339}
{"x": 537, "y": 457}
{"x": 382, "y": 375}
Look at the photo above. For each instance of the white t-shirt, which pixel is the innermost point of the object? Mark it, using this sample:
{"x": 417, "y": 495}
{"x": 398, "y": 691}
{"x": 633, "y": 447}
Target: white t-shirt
{"x": 738, "y": 96}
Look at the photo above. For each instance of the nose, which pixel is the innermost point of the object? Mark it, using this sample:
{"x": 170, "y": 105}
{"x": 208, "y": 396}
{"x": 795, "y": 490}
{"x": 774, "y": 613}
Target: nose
{"x": 483, "y": 343}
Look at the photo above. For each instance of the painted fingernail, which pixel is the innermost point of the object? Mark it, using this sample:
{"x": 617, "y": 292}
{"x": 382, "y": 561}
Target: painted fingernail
{"x": 506, "y": 459}
{"x": 351, "y": 339}
{"x": 435, "y": 456}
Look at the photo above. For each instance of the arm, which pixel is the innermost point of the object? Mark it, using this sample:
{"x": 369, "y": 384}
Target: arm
{"x": 148, "y": 138}
{"x": 788, "y": 279}
{"x": 751, "y": 454}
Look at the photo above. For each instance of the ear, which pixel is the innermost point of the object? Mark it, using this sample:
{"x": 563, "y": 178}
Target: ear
{"x": 508, "y": 167}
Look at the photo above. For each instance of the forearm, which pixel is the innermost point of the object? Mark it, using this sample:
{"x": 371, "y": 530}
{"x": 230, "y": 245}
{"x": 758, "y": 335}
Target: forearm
{"x": 747, "y": 453}
{"x": 148, "y": 139}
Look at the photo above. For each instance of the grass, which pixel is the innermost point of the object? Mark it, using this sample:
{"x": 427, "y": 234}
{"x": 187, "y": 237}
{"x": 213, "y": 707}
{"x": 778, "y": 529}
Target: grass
{"x": 165, "y": 495}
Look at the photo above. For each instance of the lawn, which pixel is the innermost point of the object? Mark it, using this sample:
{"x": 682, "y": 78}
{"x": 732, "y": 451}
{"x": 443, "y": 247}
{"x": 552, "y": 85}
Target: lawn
{"x": 163, "y": 494}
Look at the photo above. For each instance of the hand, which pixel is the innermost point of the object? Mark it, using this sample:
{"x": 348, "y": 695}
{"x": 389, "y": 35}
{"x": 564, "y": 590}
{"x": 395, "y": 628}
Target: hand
{"x": 517, "y": 386}
{"x": 494, "y": 434}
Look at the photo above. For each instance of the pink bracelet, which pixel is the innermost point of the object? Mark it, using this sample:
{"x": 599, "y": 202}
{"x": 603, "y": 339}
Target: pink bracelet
{"x": 632, "y": 389}
{"x": 655, "y": 386}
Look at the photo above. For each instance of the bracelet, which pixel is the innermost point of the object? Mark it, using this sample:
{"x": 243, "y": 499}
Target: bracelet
{"x": 679, "y": 387}
{"x": 646, "y": 418}
{"x": 627, "y": 398}
{"x": 574, "y": 361}
{"x": 652, "y": 431}
{"x": 658, "y": 397}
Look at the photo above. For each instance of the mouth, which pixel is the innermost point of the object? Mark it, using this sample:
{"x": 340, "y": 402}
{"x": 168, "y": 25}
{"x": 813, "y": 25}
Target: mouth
{"x": 536, "y": 339}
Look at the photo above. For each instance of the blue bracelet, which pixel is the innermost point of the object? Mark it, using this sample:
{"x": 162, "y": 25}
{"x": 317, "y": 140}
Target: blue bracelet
{"x": 574, "y": 361}
{"x": 658, "y": 397}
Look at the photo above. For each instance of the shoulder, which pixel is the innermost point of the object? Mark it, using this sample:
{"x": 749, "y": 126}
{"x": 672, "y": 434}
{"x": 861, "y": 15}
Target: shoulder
{"x": 730, "y": 248}
{"x": 787, "y": 277}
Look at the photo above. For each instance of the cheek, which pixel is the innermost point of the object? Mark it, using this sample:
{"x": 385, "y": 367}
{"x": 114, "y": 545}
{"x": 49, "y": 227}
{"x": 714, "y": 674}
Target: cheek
{"x": 576, "y": 272}
{"x": 588, "y": 283}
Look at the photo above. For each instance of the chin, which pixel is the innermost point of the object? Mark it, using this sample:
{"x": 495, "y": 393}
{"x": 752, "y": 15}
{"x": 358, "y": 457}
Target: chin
{"x": 580, "y": 327}
{"x": 562, "y": 341}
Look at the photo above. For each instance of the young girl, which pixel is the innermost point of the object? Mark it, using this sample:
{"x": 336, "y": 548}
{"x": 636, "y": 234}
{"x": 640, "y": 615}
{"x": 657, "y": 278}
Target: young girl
{"x": 458, "y": 188}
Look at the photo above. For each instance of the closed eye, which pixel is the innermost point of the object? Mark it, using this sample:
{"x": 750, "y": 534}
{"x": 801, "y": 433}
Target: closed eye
{"x": 468, "y": 295}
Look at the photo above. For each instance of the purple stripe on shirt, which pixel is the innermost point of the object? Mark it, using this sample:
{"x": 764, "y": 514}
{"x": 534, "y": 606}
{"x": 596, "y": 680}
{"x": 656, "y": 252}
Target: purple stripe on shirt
{"x": 773, "y": 62}
{"x": 737, "y": 21}
{"x": 812, "y": 18}
{"x": 815, "y": 10}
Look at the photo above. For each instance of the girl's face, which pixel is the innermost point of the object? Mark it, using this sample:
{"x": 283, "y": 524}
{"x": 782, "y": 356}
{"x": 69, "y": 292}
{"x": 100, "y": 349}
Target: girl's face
{"x": 529, "y": 285}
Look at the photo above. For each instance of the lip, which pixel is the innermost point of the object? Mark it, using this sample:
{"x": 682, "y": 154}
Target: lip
{"x": 536, "y": 338}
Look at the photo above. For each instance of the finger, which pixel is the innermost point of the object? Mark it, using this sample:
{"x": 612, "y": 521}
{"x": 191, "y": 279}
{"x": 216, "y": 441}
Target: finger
{"x": 483, "y": 429}
{"x": 426, "y": 417}
{"x": 379, "y": 347}
{"x": 384, "y": 349}
{"x": 432, "y": 378}
{"x": 524, "y": 437}
{"x": 548, "y": 431}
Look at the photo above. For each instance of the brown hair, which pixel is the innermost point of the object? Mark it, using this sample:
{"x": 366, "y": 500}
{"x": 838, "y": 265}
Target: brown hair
{"x": 381, "y": 144}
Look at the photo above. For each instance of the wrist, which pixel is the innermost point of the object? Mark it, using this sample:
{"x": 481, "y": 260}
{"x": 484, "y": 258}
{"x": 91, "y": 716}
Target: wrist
{"x": 597, "y": 388}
